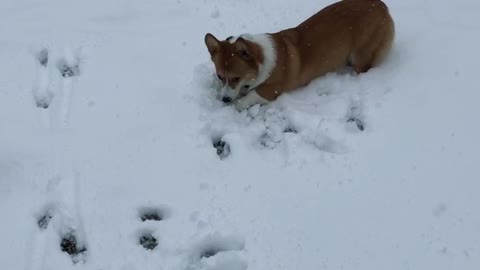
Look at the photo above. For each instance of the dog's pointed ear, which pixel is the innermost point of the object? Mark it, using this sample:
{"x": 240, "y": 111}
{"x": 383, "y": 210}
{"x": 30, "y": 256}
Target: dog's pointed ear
{"x": 242, "y": 48}
{"x": 212, "y": 43}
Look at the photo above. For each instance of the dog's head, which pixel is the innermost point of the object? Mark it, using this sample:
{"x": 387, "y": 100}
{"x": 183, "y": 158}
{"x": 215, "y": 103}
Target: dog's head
{"x": 237, "y": 63}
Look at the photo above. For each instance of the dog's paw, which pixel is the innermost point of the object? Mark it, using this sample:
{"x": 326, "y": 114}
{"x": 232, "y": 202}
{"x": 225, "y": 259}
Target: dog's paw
{"x": 240, "y": 105}
{"x": 252, "y": 98}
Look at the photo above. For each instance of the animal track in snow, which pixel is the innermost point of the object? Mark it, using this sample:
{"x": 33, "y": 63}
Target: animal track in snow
{"x": 44, "y": 220}
{"x": 276, "y": 125}
{"x": 223, "y": 148}
{"x": 148, "y": 241}
{"x": 42, "y": 95}
{"x": 154, "y": 213}
{"x": 151, "y": 214}
{"x": 355, "y": 115}
{"x": 39, "y": 239}
{"x": 289, "y": 129}
{"x": 42, "y": 57}
{"x": 218, "y": 252}
{"x": 215, "y": 244}
{"x": 69, "y": 237}
{"x": 357, "y": 122}
{"x": 68, "y": 68}
{"x": 212, "y": 251}
{"x": 63, "y": 212}
{"x": 44, "y": 102}
{"x": 70, "y": 245}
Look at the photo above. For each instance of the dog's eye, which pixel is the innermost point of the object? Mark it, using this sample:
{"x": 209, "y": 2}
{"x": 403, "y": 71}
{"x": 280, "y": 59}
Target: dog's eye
{"x": 235, "y": 80}
{"x": 244, "y": 54}
{"x": 246, "y": 86}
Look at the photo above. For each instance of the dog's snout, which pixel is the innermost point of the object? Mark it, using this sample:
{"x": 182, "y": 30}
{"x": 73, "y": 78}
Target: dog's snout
{"x": 227, "y": 99}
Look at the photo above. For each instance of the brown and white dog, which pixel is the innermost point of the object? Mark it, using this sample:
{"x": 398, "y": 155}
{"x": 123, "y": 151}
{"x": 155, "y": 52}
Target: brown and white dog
{"x": 256, "y": 69}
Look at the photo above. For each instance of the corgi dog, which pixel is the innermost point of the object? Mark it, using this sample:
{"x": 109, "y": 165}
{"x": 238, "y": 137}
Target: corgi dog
{"x": 258, "y": 68}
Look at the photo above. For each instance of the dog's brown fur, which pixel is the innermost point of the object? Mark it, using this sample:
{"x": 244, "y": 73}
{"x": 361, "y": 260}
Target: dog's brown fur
{"x": 355, "y": 32}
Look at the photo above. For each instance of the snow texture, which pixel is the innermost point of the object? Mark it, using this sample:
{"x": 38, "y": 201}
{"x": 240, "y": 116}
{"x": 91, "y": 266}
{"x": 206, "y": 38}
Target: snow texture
{"x": 115, "y": 153}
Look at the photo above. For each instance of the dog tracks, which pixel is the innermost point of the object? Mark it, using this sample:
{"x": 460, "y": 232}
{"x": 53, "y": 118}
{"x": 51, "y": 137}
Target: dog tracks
{"x": 60, "y": 218}
{"x": 54, "y": 85}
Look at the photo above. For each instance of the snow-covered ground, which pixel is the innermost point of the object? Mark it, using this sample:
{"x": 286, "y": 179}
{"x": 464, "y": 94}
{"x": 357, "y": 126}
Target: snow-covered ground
{"x": 108, "y": 118}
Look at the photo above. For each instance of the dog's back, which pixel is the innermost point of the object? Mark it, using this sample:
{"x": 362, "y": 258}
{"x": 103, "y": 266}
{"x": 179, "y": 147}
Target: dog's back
{"x": 358, "y": 32}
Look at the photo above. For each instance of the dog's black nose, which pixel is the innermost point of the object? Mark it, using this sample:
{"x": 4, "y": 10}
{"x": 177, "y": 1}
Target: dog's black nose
{"x": 227, "y": 99}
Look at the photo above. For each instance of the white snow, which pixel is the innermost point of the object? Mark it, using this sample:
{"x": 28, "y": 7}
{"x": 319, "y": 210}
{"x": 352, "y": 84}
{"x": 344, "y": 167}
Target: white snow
{"x": 132, "y": 131}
